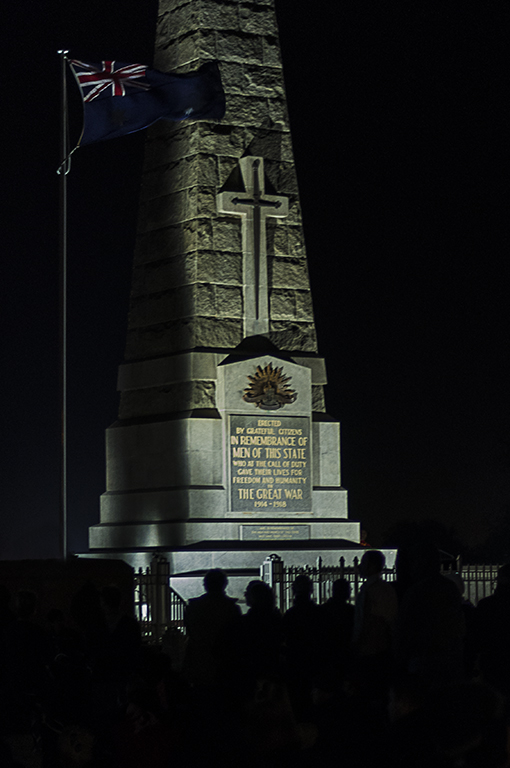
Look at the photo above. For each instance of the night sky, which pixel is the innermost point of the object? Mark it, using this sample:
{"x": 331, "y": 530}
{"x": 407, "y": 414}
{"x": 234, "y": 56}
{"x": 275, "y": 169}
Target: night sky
{"x": 400, "y": 126}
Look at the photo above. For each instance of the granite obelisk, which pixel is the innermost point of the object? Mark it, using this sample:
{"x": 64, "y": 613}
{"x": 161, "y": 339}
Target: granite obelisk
{"x": 221, "y": 364}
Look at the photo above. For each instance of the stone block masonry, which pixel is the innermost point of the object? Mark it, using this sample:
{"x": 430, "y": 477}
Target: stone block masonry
{"x": 220, "y": 305}
{"x": 187, "y": 288}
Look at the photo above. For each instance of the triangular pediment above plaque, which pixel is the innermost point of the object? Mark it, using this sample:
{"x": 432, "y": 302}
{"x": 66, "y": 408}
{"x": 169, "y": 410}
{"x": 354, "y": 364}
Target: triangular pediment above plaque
{"x": 256, "y": 346}
{"x": 264, "y": 385}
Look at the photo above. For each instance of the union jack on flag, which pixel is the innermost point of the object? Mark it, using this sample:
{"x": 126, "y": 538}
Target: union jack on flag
{"x": 94, "y": 80}
{"x": 120, "y": 98}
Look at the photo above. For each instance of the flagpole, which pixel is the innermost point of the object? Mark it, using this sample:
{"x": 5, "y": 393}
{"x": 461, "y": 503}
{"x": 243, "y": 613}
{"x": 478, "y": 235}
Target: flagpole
{"x": 63, "y": 172}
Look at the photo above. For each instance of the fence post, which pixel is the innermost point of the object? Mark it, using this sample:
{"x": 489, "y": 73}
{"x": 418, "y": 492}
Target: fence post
{"x": 271, "y": 571}
{"x": 266, "y": 571}
{"x": 160, "y": 573}
{"x": 355, "y": 563}
{"x": 140, "y": 598}
{"x": 320, "y": 584}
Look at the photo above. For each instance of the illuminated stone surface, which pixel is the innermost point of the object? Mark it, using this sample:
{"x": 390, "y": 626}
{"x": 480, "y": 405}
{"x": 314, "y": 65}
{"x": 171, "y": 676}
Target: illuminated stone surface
{"x": 169, "y": 462}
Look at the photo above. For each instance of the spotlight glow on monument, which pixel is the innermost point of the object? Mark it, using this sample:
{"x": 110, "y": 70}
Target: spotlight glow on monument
{"x": 223, "y": 452}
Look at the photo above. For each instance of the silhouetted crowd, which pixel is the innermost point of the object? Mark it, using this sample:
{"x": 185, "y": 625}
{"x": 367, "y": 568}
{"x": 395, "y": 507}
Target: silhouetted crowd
{"x": 411, "y": 676}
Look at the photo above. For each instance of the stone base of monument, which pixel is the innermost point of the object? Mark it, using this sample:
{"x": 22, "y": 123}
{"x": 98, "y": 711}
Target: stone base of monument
{"x": 244, "y": 565}
{"x": 175, "y": 534}
{"x": 226, "y": 487}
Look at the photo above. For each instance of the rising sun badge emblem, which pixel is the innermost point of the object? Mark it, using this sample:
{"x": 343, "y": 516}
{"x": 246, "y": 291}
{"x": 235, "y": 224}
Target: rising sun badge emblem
{"x": 269, "y": 389}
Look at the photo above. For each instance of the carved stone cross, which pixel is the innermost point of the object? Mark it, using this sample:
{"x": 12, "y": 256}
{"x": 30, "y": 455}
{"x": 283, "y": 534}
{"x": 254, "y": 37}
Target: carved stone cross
{"x": 254, "y": 207}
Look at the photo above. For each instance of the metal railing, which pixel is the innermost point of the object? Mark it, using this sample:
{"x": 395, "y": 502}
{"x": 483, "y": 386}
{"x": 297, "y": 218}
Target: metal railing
{"x": 158, "y": 607}
{"x": 479, "y": 580}
{"x": 280, "y": 577}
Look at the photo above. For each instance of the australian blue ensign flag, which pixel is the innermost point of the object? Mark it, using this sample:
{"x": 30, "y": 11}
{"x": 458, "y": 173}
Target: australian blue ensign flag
{"x": 121, "y": 98}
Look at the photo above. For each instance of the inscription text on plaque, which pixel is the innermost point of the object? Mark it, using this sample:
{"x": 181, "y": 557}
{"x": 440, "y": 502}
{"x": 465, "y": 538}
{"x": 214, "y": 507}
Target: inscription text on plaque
{"x": 270, "y": 464}
{"x": 271, "y": 532}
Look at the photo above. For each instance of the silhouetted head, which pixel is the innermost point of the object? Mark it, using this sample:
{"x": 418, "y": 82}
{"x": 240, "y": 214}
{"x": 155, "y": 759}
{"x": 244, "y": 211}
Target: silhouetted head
{"x": 504, "y": 575}
{"x": 302, "y": 587}
{"x": 215, "y": 581}
{"x": 372, "y": 563}
{"x": 259, "y": 596}
{"x": 341, "y": 589}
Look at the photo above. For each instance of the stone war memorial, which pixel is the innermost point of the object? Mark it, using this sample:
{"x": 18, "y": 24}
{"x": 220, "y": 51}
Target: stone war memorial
{"x": 222, "y": 453}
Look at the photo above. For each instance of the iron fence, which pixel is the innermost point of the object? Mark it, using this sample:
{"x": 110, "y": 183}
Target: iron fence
{"x": 280, "y": 578}
{"x": 158, "y": 607}
{"x": 479, "y": 581}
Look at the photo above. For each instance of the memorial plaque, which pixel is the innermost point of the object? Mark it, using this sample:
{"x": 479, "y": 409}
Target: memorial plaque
{"x": 270, "y": 464}
{"x": 271, "y": 532}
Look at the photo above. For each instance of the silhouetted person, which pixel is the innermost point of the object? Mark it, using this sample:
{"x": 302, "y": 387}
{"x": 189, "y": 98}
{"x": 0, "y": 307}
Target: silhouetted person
{"x": 122, "y": 643}
{"x": 271, "y": 734}
{"x": 148, "y": 736}
{"x": 6, "y": 758}
{"x": 56, "y": 623}
{"x": 467, "y": 726}
{"x": 261, "y": 633}
{"x": 491, "y": 633}
{"x": 408, "y": 738}
{"x": 468, "y": 609}
{"x": 69, "y": 698}
{"x": 431, "y": 623}
{"x": 87, "y": 613}
{"x": 301, "y": 629}
{"x": 7, "y": 617}
{"x": 336, "y": 624}
{"x": 27, "y": 651}
{"x": 209, "y": 621}
{"x": 461, "y": 724}
{"x": 374, "y": 628}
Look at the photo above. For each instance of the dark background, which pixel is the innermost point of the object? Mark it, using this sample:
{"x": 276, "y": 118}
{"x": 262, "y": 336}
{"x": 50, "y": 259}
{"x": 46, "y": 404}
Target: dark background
{"x": 400, "y": 131}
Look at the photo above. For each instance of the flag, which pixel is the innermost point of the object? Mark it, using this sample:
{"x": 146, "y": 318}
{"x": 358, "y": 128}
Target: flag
{"x": 120, "y": 98}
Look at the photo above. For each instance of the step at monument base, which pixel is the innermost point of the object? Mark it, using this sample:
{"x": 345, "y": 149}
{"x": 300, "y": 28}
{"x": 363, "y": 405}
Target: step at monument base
{"x": 175, "y": 534}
